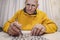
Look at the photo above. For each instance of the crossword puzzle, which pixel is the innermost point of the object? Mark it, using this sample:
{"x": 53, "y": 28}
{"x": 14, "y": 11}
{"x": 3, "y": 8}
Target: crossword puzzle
{"x": 29, "y": 37}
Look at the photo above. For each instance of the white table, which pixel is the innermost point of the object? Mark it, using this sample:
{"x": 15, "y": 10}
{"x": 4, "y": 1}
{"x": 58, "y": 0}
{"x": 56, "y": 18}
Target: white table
{"x": 53, "y": 36}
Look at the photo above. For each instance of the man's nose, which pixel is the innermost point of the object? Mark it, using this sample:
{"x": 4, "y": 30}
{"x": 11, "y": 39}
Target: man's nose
{"x": 30, "y": 7}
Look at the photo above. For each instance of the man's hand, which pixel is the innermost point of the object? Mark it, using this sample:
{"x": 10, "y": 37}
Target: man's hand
{"x": 14, "y": 29}
{"x": 38, "y": 30}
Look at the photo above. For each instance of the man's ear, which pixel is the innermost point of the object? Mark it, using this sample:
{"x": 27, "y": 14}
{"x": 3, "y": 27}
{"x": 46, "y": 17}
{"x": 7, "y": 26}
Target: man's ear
{"x": 37, "y": 5}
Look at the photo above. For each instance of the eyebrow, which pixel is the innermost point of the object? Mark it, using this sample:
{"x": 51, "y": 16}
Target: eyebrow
{"x": 29, "y": 4}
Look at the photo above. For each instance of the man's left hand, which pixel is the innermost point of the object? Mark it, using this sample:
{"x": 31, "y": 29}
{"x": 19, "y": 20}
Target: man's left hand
{"x": 38, "y": 30}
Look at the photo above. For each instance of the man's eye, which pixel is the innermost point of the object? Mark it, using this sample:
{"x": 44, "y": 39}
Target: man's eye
{"x": 33, "y": 5}
{"x": 28, "y": 4}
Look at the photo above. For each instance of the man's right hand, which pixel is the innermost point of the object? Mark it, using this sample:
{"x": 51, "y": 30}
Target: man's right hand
{"x": 15, "y": 29}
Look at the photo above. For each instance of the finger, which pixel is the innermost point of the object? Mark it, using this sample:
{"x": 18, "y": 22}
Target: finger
{"x": 17, "y": 26}
{"x": 41, "y": 32}
{"x": 15, "y": 29}
{"x": 37, "y": 32}
{"x": 15, "y": 32}
{"x": 11, "y": 32}
{"x": 34, "y": 31}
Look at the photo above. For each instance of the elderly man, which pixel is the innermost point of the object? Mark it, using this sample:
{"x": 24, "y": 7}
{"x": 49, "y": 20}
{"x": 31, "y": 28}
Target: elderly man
{"x": 30, "y": 18}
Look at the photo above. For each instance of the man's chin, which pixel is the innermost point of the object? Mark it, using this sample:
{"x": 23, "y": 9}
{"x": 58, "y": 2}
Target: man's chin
{"x": 30, "y": 13}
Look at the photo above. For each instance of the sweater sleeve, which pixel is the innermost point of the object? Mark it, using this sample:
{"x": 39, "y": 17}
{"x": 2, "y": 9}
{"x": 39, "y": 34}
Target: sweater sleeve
{"x": 49, "y": 24}
{"x": 7, "y": 24}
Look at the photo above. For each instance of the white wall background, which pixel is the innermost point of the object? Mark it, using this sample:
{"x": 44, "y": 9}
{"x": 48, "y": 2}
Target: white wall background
{"x": 9, "y": 7}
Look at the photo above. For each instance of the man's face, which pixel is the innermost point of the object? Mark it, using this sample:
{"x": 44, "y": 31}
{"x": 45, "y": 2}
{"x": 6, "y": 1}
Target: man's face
{"x": 31, "y": 6}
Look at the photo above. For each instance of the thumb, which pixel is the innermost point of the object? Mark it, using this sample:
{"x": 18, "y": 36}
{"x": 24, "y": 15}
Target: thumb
{"x": 17, "y": 24}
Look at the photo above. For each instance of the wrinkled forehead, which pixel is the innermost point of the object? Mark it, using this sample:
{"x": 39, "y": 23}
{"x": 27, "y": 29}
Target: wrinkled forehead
{"x": 32, "y": 1}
